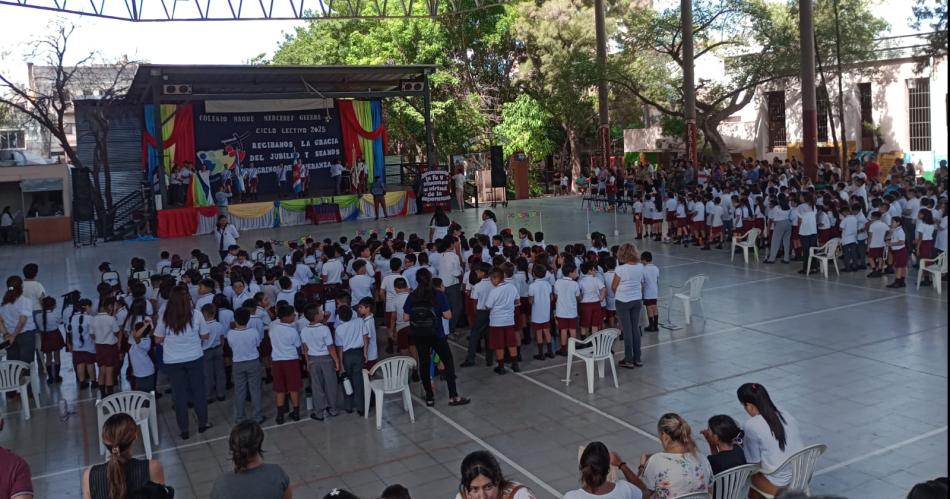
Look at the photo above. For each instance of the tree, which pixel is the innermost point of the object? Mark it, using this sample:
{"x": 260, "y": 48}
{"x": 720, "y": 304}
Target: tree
{"x": 526, "y": 127}
{"x": 933, "y": 14}
{"x": 49, "y": 98}
{"x": 754, "y": 42}
{"x": 558, "y": 68}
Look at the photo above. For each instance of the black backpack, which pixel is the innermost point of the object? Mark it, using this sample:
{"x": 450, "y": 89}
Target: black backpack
{"x": 422, "y": 321}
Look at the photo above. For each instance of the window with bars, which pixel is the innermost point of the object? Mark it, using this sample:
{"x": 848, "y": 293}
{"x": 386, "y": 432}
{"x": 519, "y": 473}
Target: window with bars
{"x": 12, "y": 139}
{"x": 867, "y": 115}
{"x": 824, "y": 106}
{"x": 918, "y": 109}
{"x": 775, "y": 102}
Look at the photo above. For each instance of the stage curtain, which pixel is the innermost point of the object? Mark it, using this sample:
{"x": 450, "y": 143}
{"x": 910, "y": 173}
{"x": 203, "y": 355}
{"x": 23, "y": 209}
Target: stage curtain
{"x": 362, "y": 133}
{"x": 178, "y": 136}
{"x": 398, "y": 203}
{"x": 250, "y": 210}
{"x": 207, "y": 219}
{"x": 297, "y": 205}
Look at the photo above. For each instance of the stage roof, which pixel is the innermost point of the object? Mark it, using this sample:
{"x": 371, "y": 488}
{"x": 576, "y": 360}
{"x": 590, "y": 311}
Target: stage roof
{"x": 177, "y": 83}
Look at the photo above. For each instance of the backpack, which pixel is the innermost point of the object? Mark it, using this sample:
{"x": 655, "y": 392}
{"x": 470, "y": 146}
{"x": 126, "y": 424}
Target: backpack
{"x": 422, "y": 321}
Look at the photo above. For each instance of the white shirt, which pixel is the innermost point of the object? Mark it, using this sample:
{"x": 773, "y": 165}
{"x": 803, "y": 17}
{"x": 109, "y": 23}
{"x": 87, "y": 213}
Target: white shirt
{"x": 243, "y": 344}
{"x": 898, "y": 239}
{"x": 80, "y": 333}
{"x": 540, "y": 293}
{"x": 760, "y": 447}
{"x": 349, "y": 335}
{"x": 651, "y": 282}
{"x": 567, "y": 291}
{"x": 142, "y": 364}
{"x": 104, "y": 329}
{"x": 940, "y": 241}
{"x": 926, "y": 232}
{"x": 610, "y": 303}
{"x": 622, "y": 490}
{"x": 449, "y": 268}
{"x": 303, "y": 274}
{"x": 230, "y": 235}
{"x": 849, "y": 230}
{"x": 214, "y": 330}
{"x": 501, "y": 305}
{"x": 285, "y": 341}
{"x": 489, "y": 228}
{"x": 590, "y": 288}
{"x": 480, "y": 292}
{"x": 183, "y": 346}
{"x": 399, "y": 304}
{"x": 877, "y": 231}
{"x": 361, "y": 286}
{"x": 34, "y": 291}
{"x": 631, "y": 279}
{"x": 318, "y": 339}
{"x": 333, "y": 272}
{"x": 715, "y": 216}
{"x": 11, "y": 313}
{"x": 388, "y": 286}
{"x": 807, "y": 220}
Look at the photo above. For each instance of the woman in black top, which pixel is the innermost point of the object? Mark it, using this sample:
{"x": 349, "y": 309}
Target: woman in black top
{"x": 724, "y": 438}
{"x": 122, "y": 474}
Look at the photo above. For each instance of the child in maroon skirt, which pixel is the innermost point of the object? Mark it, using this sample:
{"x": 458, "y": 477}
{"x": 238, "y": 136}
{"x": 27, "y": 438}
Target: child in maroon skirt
{"x": 899, "y": 253}
{"x": 52, "y": 339}
{"x": 105, "y": 330}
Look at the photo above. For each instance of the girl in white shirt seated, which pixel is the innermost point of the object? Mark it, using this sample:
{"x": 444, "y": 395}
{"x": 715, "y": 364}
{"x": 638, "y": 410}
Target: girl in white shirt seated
{"x": 770, "y": 437}
{"x": 595, "y": 469}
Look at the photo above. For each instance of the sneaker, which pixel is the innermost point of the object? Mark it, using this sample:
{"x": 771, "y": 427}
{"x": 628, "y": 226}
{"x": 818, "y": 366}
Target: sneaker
{"x": 332, "y": 413}
{"x": 549, "y": 355}
{"x": 295, "y": 415}
{"x": 500, "y": 370}
{"x": 625, "y": 364}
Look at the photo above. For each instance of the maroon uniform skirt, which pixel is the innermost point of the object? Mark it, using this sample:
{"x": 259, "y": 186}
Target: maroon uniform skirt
{"x": 52, "y": 341}
{"x": 107, "y": 355}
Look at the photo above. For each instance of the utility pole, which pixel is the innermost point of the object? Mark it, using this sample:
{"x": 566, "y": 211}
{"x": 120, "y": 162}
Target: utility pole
{"x": 600, "y": 25}
{"x": 844, "y": 138}
{"x": 809, "y": 105}
{"x": 689, "y": 86}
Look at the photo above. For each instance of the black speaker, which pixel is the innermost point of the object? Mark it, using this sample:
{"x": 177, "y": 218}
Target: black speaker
{"x": 83, "y": 198}
{"x": 499, "y": 178}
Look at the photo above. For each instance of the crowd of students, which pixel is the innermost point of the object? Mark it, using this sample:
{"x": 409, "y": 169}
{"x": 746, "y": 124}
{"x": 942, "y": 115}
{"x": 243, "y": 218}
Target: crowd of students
{"x": 883, "y": 223}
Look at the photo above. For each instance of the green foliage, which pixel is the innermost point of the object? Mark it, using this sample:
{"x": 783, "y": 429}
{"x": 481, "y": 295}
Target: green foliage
{"x": 526, "y": 127}
{"x": 933, "y": 15}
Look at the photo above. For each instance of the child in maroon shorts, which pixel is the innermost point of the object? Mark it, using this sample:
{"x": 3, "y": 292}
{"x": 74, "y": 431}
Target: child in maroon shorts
{"x": 285, "y": 362}
{"x": 593, "y": 293}
{"x": 501, "y": 320}
{"x": 539, "y": 297}
{"x": 566, "y": 293}
{"x": 899, "y": 252}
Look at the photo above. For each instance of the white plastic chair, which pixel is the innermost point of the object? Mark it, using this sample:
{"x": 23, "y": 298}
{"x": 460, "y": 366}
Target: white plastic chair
{"x": 734, "y": 483}
{"x": 694, "y": 495}
{"x": 802, "y": 464}
{"x": 395, "y": 372}
{"x": 598, "y": 350}
{"x": 746, "y": 242}
{"x": 693, "y": 288}
{"x": 936, "y": 267}
{"x": 15, "y": 376}
{"x": 824, "y": 253}
{"x": 131, "y": 403}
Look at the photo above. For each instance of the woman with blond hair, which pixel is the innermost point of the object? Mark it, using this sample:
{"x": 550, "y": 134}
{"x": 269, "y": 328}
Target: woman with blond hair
{"x": 121, "y": 475}
{"x": 628, "y": 296}
{"x": 678, "y": 470}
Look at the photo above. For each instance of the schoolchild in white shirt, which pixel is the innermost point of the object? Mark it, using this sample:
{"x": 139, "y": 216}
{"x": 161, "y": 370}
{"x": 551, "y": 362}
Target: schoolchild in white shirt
{"x": 500, "y": 304}
{"x": 285, "y": 363}
{"x": 213, "y": 353}
{"x": 387, "y": 294}
{"x": 651, "y": 291}
{"x": 323, "y": 363}
{"x": 566, "y": 293}
{"x": 593, "y": 293}
{"x": 364, "y": 309}
{"x": 540, "y": 297}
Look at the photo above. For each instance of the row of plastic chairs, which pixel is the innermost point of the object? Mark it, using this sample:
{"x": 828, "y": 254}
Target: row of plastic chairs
{"x": 735, "y": 483}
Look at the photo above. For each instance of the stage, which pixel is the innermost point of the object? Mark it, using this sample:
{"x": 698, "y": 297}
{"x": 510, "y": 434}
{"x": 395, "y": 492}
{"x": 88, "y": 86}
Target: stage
{"x": 195, "y": 221}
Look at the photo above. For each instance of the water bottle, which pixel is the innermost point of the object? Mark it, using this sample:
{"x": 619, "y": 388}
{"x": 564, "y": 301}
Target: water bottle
{"x": 347, "y": 385}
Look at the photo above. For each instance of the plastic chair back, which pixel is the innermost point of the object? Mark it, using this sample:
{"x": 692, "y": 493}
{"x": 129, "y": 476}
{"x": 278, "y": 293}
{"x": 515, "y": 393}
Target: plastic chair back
{"x": 131, "y": 403}
{"x": 395, "y": 372}
{"x": 695, "y": 286}
{"x": 13, "y": 375}
{"x": 752, "y": 235}
{"x": 602, "y": 341}
{"x": 734, "y": 483}
{"x": 803, "y": 466}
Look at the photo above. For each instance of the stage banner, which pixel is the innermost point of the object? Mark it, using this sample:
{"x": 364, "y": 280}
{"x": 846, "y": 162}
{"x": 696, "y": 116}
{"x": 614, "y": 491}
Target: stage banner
{"x": 435, "y": 187}
{"x": 288, "y": 152}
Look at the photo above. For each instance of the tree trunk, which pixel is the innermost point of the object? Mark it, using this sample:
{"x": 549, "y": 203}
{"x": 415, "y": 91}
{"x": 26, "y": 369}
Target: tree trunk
{"x": 714, "y": 139}
{"x": 573, "y": 141}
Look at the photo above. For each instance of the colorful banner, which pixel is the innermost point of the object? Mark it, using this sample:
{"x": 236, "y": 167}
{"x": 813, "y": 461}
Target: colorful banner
{"x": 364, "y": 135}
{"x": 268, "y": 152}
{"x": 286, "y": 213}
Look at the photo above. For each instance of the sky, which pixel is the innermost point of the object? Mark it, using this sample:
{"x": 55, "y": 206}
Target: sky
{"x": 218, "y": 42}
